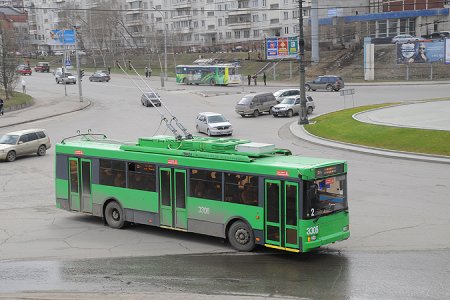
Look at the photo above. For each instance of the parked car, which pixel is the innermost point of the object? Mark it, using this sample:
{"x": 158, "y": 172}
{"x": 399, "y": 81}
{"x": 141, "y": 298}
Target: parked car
{"x": 437, "y": 35}
{"x": 100, "y": 77}
{"x": 58, "y": 53}
{"x": 24, "y": 142}
{"x": 280, "y": 95}
{"x": 255, "y": 104}
{"x": 326, "y": 82}
{"x": 42, "y": 67}
{"x": 150, "y": 99}
{"x": 404, "y": 38}
{"x": 24, "y": 70}
{"x": 213, "y": 123}
{"x": 67, "y": 78}
{"x": 291, "y": 106}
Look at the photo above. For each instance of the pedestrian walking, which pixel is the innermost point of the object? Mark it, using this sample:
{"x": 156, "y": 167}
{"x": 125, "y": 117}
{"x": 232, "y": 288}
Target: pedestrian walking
{"x": 264, "y": 78}
{"x": 129, "y": 64}
{"x": 146, "y": 72}
{"x": 24, "y": 86}
{"x": 255, "y": 77}
{"x": 1, "y": 106}
{"x": 109, "y": 70}
{"x": 249, "y": 79}
{"x": 149, "y": 72}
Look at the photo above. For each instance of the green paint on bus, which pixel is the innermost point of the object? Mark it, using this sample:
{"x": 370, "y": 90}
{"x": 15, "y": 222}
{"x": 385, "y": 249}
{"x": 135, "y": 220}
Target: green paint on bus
{"x": 248, "y": 193}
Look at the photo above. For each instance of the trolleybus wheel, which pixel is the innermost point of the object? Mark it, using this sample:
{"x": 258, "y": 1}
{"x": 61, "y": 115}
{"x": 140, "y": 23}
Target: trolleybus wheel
{"x": 240, "y": 236}
{"x": 212, "y": 82}
{"x": 114, "y": 215}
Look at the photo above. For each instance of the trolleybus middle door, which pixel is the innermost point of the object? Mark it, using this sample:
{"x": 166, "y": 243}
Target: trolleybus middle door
{"x": 281, "y": 214}
{"x": 173, "y": 198}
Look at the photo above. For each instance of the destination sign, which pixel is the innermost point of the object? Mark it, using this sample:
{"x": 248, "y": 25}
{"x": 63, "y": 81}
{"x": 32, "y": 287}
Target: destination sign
{"x": 331, "y": 170}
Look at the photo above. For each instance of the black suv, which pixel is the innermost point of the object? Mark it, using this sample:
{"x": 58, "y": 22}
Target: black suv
{"x": 326, "y": 82}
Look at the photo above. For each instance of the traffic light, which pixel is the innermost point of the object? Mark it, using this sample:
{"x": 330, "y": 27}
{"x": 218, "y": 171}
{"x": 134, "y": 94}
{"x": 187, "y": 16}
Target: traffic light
{"x": 81, "y": 74}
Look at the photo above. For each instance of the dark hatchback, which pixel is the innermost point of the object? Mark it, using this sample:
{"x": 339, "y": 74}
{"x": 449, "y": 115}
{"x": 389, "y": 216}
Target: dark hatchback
{"x": 150, "y": 99}
{"x": 100, "y": 77}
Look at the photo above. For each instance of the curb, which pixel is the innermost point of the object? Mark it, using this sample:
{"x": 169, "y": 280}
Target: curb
{"x": 301, "y": 133}
{"x": 87, "y": 104}
{"x": 19, "y": 107}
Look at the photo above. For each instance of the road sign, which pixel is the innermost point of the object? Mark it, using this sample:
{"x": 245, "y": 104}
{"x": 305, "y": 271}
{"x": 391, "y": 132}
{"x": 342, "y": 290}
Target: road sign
{"x": 68, "y": 62}
{"x": 347, "y": 92}
{"x": 63, "y": 37}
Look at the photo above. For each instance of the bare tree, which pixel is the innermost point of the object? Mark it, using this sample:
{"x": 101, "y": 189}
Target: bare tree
{"x": 8, "y": 61}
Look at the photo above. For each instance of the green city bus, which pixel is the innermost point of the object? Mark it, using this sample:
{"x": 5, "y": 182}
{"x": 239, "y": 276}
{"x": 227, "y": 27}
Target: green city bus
{"x": 222, "y": 74}
{"x": 248, "y": 193}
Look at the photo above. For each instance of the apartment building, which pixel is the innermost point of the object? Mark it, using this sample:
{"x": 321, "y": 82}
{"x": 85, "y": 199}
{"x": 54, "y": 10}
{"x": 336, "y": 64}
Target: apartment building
{"x": 191, "y": 25}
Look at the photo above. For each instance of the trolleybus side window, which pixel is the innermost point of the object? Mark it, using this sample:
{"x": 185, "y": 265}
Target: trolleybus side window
{"x": 242, "y": 189}
{"x": 142, "y": 176}
{"x": 112, "y": 173}
{"x": 206, "y": 184}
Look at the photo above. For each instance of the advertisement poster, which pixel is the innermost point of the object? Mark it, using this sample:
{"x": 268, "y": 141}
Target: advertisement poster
{"x": 282, "y": 47}
{"x": 447, "y": 51}
{"x": 420, "y": 52}
{"x": 272, "y": 48}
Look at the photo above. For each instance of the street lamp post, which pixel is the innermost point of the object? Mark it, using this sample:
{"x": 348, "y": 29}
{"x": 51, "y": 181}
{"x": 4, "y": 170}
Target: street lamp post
{"x": 165, "y": 42}
{"x": 301, "y": 56}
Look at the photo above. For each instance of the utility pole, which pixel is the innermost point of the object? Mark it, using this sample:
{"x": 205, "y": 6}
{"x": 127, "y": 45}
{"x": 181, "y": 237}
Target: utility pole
{"x": 303, "y": 119}
{"x": 77, "y": 58}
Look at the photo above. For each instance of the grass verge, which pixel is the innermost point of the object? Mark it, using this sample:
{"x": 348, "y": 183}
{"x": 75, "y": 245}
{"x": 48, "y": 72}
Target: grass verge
{"x": 17, "y": 99}
{"x": 340, "y": 126}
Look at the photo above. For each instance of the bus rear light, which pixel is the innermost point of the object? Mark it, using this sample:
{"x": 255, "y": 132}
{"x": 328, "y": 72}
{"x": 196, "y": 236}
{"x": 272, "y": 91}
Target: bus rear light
{"x": 258, "y": 239}
{"x": 345, "y": 228}
{"x": 313, "y": 238}
{"x": 150, "y": 221}
{"x": 257, "y": 217}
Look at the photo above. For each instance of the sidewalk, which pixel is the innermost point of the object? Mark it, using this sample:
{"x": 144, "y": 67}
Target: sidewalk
{"x": 42, "y": 109}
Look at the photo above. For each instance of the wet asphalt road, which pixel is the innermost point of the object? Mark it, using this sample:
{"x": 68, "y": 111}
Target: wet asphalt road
{"x": 323, "y": 274}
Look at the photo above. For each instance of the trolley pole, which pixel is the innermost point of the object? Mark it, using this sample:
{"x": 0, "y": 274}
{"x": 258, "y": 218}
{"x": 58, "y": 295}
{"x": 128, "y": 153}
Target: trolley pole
{"x": 301, "y": 57}
{"x": 77, "y": 58}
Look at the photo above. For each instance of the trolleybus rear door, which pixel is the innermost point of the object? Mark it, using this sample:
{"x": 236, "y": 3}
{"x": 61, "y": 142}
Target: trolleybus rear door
{"x": 74, "y": 187}
{"x": 173, "y": 198}
{"x": 281, "y": 214}
{"x": 80, "y": 185}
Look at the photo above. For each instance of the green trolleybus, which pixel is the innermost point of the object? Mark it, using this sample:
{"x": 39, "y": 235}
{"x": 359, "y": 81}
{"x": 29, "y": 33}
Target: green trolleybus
{"x": 223, "y": 74}
{"x": 248, "y": 193}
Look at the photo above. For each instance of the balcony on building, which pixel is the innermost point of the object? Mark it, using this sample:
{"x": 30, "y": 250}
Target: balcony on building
{"x": 240, "y": 21}
{"x": 181, "y": 3}
{"x": 243, "y": 7}
{"x": 134, "y": 11}
{"x": 182, "y": 14}
{"x": 134, "y": 22}
{"x": 184, "y": 30}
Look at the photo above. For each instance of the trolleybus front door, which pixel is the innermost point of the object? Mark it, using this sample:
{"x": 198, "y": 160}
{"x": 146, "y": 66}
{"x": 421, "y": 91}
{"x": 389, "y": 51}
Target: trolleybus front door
{"x": 80, "y": 184}
{"x": 172, "y": 198}
{"x": 281, "y": 214}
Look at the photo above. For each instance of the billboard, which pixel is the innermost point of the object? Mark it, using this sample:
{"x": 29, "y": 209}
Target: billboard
{"x": 63, "y": 37}
{"x": 282, "y": 47}
{"x": 447, "y": 51}
{"x": 420, "y": 52}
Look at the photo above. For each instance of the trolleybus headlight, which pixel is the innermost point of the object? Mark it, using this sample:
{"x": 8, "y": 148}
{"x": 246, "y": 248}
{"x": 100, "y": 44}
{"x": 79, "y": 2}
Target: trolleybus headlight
{"x": 345, "y": 228}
